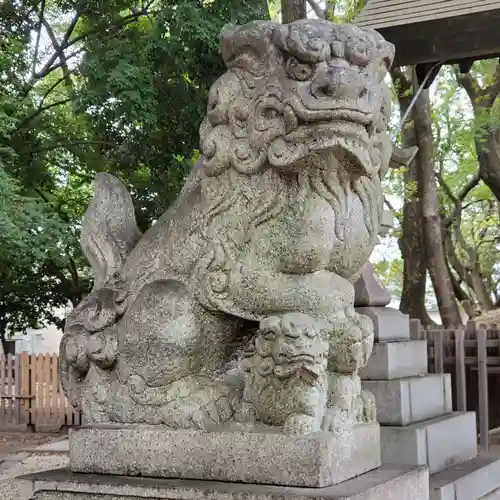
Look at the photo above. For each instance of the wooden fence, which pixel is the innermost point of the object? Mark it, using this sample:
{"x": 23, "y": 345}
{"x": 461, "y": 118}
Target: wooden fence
{"x": 31, "y": 394}
{"x": 472, "y": 356}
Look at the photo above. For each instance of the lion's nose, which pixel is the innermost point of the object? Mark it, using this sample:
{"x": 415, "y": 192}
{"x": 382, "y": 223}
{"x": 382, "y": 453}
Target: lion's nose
{"x": 338, "y": 82}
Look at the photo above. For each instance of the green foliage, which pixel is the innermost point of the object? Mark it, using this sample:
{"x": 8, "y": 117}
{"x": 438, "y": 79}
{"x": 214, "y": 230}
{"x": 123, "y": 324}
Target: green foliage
{"x": 30, "y": 236}
{"x": 343, "y": 11}
{"x": 145, "y": 91}
{"x": 390, "y": 271}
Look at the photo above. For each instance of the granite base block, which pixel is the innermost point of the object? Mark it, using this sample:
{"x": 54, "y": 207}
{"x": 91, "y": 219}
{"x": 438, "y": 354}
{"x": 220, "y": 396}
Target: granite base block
{"x": 476, "y": 479}
{"x": 439, "y": 442}
{"x": 386, "y": 483}
{"x": 388, "y": 324}
{"x": 392, "y": 360}
{"x": 316, "y": 461}
{"x": 405, "y": 401}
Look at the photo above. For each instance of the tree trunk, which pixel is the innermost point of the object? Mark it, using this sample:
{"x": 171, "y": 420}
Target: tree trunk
{"x": 431, "y": 220}
{"x": 480, "y": 289}
{"x": 489, "y": 162}
{"x": 487, "y": 141}
{"x": 293, "y": 10}
{"x": 411, "y": 239}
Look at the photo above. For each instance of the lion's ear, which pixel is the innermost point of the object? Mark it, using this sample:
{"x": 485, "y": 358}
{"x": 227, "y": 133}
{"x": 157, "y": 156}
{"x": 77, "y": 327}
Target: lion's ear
{"x": 247, "y": 47}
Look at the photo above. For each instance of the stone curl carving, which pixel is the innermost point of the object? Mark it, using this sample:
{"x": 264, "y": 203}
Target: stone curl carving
{"x": 236, "y": 307}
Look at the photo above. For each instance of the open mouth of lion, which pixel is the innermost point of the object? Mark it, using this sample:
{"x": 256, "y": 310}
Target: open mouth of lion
{"x": 352, "y": 138}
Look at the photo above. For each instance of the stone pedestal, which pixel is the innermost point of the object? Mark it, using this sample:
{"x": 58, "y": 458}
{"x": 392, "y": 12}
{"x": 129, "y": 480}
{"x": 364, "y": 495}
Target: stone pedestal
{"x": 387, "y": 482}
{"x": 418, "y": 426}
{"x": 316, "y": 460}
{"x": 388, "y": 323}
{"x": 393, "y": 360}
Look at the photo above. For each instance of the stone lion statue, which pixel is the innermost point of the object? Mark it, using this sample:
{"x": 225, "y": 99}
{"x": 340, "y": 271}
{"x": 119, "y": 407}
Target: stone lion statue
{"x": 276, "y": 219}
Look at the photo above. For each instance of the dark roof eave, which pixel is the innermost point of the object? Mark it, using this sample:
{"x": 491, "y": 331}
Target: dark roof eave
{"x": 449, "y": 40}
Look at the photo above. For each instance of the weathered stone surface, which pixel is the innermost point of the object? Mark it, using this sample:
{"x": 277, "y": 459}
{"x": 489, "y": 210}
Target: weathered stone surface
{"x": 470, "y": 480}
{"x": 388, "y": 323}
{"x": 271, "y": 228}
{"x": 392, "y": 360}
{"x": 386, "y": 483}
{"x": 409, "y": 400}
{"x": 369, "y": 290}
{"x": 439, "y": 442}
{"x": 259, "y": 457}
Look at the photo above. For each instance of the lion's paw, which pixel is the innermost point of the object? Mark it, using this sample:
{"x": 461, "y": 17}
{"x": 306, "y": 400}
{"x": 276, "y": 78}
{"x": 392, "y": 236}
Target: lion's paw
{"x": 366, "y": 407}
{"x": 300, "y": 424}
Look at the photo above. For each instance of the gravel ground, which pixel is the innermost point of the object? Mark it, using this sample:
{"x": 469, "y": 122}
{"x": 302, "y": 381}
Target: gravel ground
{"x": 23, "y": 463}
{"x": 11, "y": 442}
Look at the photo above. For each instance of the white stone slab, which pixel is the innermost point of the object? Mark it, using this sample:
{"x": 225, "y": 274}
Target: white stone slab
{"x": 391, "y": 360}
{"x": 387, "y": 483}
{"x": 318, "y": 460}
{"x": 406, "y": 401}
{"x": 471, "y": 480}
{"x": 388, "y": 323}
{"x": 439, "y": 442}
{"x": 494, "y": 495}
{"x": 369, "y": 290}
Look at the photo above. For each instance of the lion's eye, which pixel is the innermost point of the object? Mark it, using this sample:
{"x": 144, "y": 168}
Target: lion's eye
{"x": 270, "y": 114}
{"x": 299, "y": 71}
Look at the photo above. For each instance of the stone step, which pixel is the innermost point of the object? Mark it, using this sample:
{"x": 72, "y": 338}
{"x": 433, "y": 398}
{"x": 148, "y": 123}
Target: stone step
{"x": 474, "y": 479}
{"x": 494, "y": 495}
{"x": 391, "y": 360}
{"x": 439, "y": 442}
{"x": 388, "y": 323}
{"x": 387, "y": 482}
{"x": 405, "y": 401}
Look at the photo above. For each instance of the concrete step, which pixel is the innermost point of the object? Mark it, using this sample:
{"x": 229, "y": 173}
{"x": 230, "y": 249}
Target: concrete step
{"x": 386, "y": 482}
{"x": 391, "y": 360}
{"x": 388, "y": 323}
{"x": 405, "y": 401}
{"x": 439, "y": 442}
{"x": 475, "y": 479}
{"x": 494, "y": 495}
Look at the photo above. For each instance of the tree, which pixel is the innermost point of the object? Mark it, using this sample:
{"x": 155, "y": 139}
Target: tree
{"x": 144, "y": 94}
{"x": 421, "y": 239}
{"x": 338, "y": 11}
{"x": 483, "y": 98}
{"x": 293, "y": 10}
{"x": 470, "y": 210}
{"x": 431, "y": 220}
{"x": 411, "y": 240}
{"x": 29, "y": 238}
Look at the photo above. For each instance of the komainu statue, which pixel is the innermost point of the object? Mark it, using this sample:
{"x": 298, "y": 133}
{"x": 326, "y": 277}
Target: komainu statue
{"x": 235, "y": 310}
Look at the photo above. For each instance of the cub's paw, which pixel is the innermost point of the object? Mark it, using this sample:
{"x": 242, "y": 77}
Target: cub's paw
{"x": 300, "y": 424}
